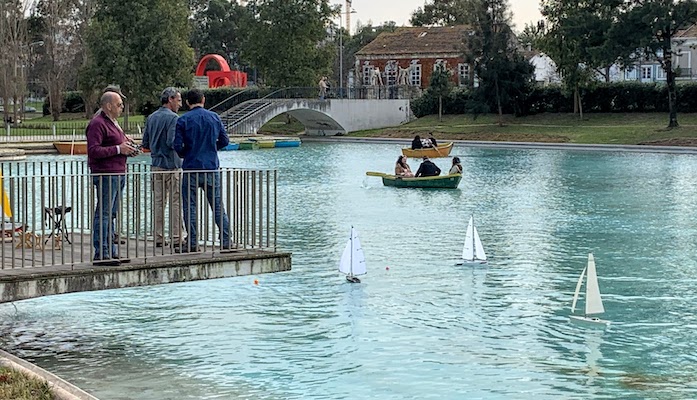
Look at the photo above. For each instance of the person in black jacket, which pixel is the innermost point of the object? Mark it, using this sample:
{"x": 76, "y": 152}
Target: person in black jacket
{"x": 427, "y": 168}
{"x": 416, "y": 143}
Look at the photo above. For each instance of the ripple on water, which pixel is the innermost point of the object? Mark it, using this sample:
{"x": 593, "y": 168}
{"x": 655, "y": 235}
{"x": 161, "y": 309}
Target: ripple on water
{"x": 418, "y": 326}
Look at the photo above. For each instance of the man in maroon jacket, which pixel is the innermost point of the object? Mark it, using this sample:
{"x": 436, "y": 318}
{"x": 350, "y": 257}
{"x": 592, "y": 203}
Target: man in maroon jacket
{"x": 107, "y": 150}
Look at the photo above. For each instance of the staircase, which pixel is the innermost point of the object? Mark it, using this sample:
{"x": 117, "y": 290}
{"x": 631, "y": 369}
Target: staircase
{"x": 243, "y": 111}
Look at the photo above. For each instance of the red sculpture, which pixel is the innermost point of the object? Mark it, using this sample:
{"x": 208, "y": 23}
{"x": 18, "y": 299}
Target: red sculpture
{"x": 224, "y": 77}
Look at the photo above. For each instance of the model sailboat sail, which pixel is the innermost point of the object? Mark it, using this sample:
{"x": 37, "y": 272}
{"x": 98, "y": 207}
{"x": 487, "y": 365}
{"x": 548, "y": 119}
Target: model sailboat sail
{"x": 594, "y": 303}
{"x": 352, "y": 262}
{"x": 473, "y": 251}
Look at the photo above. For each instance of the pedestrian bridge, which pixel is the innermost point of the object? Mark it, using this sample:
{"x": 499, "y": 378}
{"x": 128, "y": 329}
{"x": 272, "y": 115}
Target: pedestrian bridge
{"x": 320, "y": 117}
{"x": 350, "y": 111}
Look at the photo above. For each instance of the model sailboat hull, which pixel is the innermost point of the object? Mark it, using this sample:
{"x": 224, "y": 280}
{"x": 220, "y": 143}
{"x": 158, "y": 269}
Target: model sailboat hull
{"x": 588, "y": 320}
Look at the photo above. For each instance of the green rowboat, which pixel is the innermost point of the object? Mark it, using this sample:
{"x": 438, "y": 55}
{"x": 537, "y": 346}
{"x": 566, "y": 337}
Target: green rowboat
{"x": 431, "y": 182}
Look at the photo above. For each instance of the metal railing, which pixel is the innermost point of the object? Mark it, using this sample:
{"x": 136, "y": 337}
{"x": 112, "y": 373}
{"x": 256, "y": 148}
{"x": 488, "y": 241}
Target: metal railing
{"x": 53, "y": 207}
{"x": 29, "y": 131}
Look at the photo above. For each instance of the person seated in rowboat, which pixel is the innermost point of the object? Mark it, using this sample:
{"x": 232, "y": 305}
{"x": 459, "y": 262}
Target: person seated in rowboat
{"x": 402, "y": 169}
{"x": 427, "y": 168}
{"x": 457, "y": 167}
{"x": 434, "y": 143}
{"x": 416, "y": 143}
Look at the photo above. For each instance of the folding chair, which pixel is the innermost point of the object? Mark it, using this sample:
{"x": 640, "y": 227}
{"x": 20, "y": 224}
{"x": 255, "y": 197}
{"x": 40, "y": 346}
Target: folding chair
{"x": 55, "y": 217}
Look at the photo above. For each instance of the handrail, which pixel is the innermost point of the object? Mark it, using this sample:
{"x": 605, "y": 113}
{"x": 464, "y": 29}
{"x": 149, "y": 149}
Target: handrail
{"x": 230, "y": 98}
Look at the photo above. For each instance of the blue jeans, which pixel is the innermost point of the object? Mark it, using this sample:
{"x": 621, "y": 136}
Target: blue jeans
{"x": 109, "y": 189}
{"x": 210, "y": 183}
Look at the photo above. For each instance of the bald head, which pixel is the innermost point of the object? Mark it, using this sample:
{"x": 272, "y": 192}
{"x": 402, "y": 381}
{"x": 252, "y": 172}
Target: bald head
{"x": 108, "y": 97}
{"x": 111, "y": 104}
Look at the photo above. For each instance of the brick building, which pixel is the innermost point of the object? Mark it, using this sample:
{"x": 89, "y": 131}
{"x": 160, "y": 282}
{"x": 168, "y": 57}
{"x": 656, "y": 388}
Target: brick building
{"x": 409, "y": 55}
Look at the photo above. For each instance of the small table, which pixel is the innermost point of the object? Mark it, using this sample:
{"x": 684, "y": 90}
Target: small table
{"x": 56, "y": 217}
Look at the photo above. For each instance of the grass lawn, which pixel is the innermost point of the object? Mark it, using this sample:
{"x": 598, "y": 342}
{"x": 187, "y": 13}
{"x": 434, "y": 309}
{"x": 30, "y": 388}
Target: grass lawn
{"x": 17, "y": 386}
{"x": 637, "y": 128}
{"x": 630, "y": 128}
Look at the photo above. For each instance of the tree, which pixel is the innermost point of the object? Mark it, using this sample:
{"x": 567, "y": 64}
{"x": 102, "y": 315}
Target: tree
{"x": 440, "y": 12}
{"x": 647, "y": 29}
{"x": 287, "y": 41}
{"x": 576, "y": 39}
{"x": 440, "y": 85}
{"x": 492, "y": 51}
{"x": 217, "y": 28}
{"x": 58, "y": 50}
{"x": 142, "y": 45}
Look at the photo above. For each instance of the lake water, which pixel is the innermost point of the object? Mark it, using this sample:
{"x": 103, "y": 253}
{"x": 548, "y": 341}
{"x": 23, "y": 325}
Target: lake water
{"x": 424, "y": 328}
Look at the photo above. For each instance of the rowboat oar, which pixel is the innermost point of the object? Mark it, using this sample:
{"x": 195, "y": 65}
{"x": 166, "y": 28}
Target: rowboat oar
{"x": 372, "y": 173}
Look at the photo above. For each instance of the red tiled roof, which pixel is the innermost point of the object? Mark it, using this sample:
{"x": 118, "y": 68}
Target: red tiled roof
{"x": 689, "y": 32}
{"x": 418, "y": 40}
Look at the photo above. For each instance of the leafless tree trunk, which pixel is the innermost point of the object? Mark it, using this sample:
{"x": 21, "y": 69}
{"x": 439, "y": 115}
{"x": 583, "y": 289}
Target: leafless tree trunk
{"x": 59, "y": 49}
{"x": 13, "y": 47}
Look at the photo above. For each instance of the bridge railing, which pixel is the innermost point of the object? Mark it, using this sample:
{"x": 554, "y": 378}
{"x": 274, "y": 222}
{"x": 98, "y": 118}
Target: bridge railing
{"x": 50, "y": 216}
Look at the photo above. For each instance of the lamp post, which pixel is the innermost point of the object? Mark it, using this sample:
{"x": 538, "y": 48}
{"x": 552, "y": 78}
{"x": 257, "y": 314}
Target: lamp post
{"x": 341, "y": 49}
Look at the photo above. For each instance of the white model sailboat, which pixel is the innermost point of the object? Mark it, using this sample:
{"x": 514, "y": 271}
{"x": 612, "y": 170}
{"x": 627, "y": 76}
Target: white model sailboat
{"x": 473, "y": 251}
{"x": 352, "y": 262}
{"x": 594, "y": 303}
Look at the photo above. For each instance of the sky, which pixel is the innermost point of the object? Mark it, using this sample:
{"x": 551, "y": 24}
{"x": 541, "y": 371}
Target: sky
{"x": 379, "y": 11}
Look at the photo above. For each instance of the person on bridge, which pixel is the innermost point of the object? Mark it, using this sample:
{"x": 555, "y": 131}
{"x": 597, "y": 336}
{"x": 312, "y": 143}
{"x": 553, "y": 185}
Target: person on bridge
{"x": 166, "y": 166}
{"x": 199, "y": 135}
{"x": 323, "y": 86}
{"x": 107, "y": 149}
{"x": 427, "y": 168}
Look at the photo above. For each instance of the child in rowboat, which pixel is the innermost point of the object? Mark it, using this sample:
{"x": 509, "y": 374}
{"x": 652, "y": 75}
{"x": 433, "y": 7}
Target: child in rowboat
{"x": 401, "y": 168}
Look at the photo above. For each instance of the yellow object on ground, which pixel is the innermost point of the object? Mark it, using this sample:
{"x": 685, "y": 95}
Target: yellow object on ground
{"x": 6, "y": 208}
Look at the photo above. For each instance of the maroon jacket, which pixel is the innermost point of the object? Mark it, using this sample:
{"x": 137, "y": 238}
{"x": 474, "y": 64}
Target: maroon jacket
{"x": 102, "y": 138}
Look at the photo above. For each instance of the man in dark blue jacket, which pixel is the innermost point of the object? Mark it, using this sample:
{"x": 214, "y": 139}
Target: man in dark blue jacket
{"x": 427, "y": 168}
{"x": 199, "y": 135}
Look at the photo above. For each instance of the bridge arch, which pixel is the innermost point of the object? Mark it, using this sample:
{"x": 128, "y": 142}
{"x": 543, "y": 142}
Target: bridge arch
{"x": 315, "y": 121}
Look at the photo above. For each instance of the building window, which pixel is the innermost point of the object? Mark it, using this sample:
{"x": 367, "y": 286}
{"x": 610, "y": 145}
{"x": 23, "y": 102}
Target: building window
{"x": 367, "y": 73}
{"x": 630, "y": 74}
{"x": 646, "y": 72}
{"x": 415, "y": 73}
{"x": 463, "y": 74}
{"x": 660, "y": 74}
{"x": 391, "y": 71}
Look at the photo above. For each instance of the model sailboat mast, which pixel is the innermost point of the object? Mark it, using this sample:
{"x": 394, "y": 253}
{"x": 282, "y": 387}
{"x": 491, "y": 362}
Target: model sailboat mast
{"x": 352, "y": 262}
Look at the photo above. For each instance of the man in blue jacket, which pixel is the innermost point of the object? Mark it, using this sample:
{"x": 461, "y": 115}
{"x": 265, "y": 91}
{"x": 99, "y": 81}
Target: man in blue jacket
{"x": 166, "y": 165}
{"x": 199, "y": 135}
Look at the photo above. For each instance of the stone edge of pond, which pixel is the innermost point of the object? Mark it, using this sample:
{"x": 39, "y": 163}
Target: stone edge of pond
{"x": 61, "y": 389}
{"x": 637, "y": 148}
